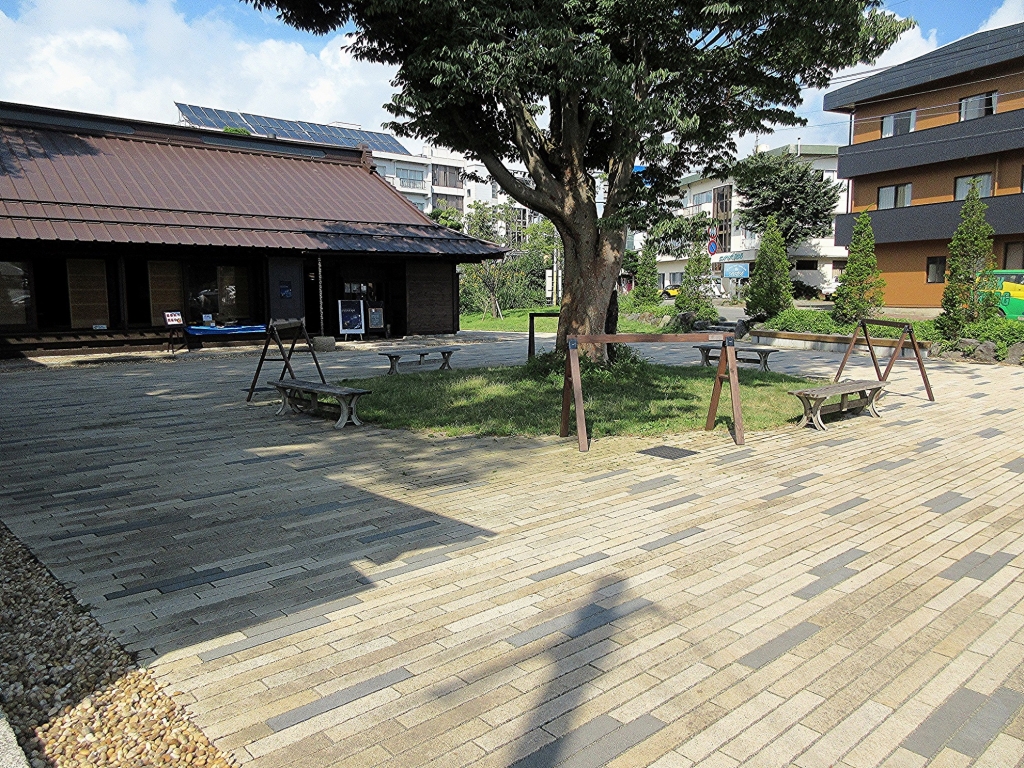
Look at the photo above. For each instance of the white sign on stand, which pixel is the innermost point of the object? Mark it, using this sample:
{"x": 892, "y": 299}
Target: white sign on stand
{"x": 350, "y": 316}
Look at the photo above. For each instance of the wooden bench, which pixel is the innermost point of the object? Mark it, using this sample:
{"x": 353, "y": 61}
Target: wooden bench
{"x": 293, "y": 391}
{"x": 744, "y": 354}
{"x": 395, "y": 355}
{"x": 812, "y": 399}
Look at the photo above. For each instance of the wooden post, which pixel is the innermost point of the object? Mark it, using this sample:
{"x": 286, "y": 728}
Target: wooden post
{"x": 734, "y": 389}
{"x": 895, "y": 355}
{"x": 871, "y": 349}
{"x": 920, "y": 363}
{"x": 577, "y": 395}
{"x": 849, "y": 351}
{"x": 716, "y": 390}
{"x": 563, "y": 430}
{"x": 531, "y": 347}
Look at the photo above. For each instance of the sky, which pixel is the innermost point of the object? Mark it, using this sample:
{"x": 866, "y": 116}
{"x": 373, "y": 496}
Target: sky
{"x": 135, "y": 58}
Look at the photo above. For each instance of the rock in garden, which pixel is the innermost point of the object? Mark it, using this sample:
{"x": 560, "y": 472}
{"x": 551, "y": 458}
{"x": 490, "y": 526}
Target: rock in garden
{"x": 985, "y": 352}
{"x": 741, "y": 328}
{"x": 1014, "y": 354}
{"x": 968, "y": 345}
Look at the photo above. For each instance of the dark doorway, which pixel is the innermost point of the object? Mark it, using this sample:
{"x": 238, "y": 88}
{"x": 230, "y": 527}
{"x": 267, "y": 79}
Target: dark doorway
{"x": 136, "y": 287}
{"x": 53, "y": 302}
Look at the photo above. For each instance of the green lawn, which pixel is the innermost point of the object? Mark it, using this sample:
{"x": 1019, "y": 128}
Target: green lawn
{"x": 518, "y": 320}
{"x": 640, "y": 400}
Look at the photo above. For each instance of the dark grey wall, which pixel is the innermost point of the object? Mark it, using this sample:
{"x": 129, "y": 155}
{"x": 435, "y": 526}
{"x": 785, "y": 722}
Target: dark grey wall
{"x": 286, "y": 275}
{"x": 934, "y": 222}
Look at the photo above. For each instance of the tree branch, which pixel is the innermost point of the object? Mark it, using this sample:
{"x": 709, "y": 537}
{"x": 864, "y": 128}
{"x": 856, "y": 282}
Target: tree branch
{"x": 518, "y": 191}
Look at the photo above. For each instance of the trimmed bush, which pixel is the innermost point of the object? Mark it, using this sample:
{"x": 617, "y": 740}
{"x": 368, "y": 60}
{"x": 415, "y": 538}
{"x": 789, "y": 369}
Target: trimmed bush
{"x": 770, "y": 291}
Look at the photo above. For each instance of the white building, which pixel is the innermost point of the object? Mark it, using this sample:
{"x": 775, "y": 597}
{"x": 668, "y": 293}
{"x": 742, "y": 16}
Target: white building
{"x": 818, "y": 262}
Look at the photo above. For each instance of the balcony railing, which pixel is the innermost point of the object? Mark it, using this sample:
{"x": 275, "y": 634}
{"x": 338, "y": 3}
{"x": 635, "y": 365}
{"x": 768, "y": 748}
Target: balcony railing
{"x": 411, "y": 183}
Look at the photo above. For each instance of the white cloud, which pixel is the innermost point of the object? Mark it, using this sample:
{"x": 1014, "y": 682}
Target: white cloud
{"x": 1010, "y": 12}
{"x": 135, "y": 58}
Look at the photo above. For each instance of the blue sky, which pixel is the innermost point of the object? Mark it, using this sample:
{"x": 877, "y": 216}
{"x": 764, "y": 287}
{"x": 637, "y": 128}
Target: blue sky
{"x": 134, "y": 58}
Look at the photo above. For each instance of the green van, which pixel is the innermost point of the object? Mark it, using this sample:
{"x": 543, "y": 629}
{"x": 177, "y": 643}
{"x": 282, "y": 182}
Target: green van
{"x": 1011, "y": 288}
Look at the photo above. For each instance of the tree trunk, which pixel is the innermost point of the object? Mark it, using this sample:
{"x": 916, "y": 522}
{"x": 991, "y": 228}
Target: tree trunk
{"x": 591, "y": 263}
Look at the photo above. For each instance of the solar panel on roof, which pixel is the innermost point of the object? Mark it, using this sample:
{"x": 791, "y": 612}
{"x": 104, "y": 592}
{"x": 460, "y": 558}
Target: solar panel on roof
{"x": 298, "y": 130}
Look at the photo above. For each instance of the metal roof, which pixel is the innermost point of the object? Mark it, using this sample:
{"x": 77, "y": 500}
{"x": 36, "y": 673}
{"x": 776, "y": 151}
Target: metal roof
{"x": 983, "y": 49}
{"x": 297, "y": 130}
{"x": 65, "y": 176}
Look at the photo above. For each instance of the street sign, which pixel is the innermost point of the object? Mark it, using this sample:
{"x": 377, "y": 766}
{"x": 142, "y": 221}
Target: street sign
{"x": 735, "y": 270}
{"x": 712, "y": 248}
{"x": 712, "y": 232}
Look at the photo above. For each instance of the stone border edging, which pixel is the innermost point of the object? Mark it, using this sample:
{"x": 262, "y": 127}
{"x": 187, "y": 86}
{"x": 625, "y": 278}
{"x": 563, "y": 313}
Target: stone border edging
{"x": 823, "y": 342}
{"x": 11, "y": 755}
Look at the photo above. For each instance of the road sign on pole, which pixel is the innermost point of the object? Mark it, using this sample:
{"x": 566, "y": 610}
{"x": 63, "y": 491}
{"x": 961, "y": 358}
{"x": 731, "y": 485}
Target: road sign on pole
{"x": 712, "y": 232}
{"x": 712, "y": 248}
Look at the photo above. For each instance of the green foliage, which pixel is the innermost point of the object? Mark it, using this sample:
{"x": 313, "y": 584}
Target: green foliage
{"x": 694, "y": 290}
{"x": 645, "y": 291}
{"x": 860, "y": 292}
{"x": 802, "y": 290}
{"x": 630, "y": 261}
{"x": 770, "y": 290}
{"x": 447, "y": 216}
{"x": 970, "y": 263}
{"x": 573, "y": 90}
{"x": 812, "y": 321}
{"x": 802, "y": 202}
{"x": 630, "y": 397}
{"x": 236, "y": 131}
{"x": 998, "y": 330}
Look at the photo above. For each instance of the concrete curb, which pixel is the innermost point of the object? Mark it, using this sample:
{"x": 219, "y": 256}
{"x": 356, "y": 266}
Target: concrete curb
{"x": 11, "y": 755}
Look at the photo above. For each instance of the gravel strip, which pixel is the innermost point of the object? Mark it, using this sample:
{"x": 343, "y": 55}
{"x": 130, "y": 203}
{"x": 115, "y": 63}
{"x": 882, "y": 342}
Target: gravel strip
{"x": 72, "y": 694}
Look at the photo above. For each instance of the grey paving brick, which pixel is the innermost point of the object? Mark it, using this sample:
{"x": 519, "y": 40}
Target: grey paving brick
{"x": 376, "y": 578}
{"x": 837, "y": 562}
{"x": 834, "y": 442}
{"x": 946, "y": 502}
{"x": 978, "y": 395}
{"x": 998, "y": 412}
{"x": 652, "y": 484}
{"x": 825, "y": 582}
{"x": 667, "y": 452}
{"x": 606, "y": 475}
{"x": 990, "y": 432}
{"x": 843, "y": 506}
{"x": 905, "y": 422}
{"x": 990, "y": 566}
{"x": 930, "y": 737}
{"x": 985, "y": 724}
{"x": 609, "y": 747}
{"x": 963, "y": 566}
{"x": 1016, "y": 465}
{"x": 551, "y": 626}
{"x": 782, "y": 644}
{"x": 110, "y": 530}
{"x": 672, "y": 538}
{"x": 728, "y": 458}
{"x": 606, "y": 616}
{"x": 337, "y": 699}
{"x": 207, "y": 576}
{"x": 674, "y": 502}
{"x": 572, "y": 565}
{"x": 801, "y": 480}
{"x": 257, "y": 640}
{"x": 397, "y": 531}
{"x": 264, "y": 459}
{"x": 887, "y": 465}
{"x": 927, "y": 445}
{"x": 564, "y": 747}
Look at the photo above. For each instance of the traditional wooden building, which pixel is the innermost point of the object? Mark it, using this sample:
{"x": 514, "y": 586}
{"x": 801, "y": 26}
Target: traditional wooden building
{"x": 921, "y": 132}
{"x": 106, "y": 224}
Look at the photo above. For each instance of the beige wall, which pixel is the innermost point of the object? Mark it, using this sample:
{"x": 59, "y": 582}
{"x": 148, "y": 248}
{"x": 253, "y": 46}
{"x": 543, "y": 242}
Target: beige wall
{"x": 935, "y": 183}
{"x": 941, "y": 106}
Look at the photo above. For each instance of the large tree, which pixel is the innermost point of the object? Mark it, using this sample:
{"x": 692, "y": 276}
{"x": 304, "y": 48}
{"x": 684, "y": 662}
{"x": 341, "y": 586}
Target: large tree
{"x": 798, "y": 195}
{"x": 589, "y": 89}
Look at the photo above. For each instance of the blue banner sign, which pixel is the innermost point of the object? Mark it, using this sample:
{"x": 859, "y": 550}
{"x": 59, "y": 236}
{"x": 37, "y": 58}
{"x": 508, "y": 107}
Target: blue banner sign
{"x": 736, "y": 271}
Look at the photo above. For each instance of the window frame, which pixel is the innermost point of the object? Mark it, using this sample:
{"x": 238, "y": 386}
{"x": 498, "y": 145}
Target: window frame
{"x": 911, "y": 115}
{"x": 989, "y": 104}
{"x": 908, "y": 191}
{"x": 967, "y": 178}
{"x": 935, "y": 261}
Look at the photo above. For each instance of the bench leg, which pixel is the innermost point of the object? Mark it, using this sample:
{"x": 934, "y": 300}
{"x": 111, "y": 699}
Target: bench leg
{"x": 394, "y": 364}
{"x": 871, "y": 402}
{"x": 764, "y": 360}
{"x": 446, "y": 361}
{"x": 284, "y": 403}
{"x": 352, "y": 411}
{"x": 816, "y": 414}
{"x": 346, "y": 412}
{"x": 807, "y": 411}
{"x": 422, "y": 355}
{"x": 704, "y": 359}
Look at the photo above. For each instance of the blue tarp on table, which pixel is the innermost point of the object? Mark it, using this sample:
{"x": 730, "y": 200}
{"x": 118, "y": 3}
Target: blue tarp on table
{"x": 206, "y": 330}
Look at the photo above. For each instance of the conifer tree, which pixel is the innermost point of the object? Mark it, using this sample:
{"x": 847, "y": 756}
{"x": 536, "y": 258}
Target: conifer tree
{"x": 645, "y": 291}
{"x": 970, "y": 260}
{"x": 770, "y": 291}
{"x": 860, "y": 291}
{"x": 695, "y": 286}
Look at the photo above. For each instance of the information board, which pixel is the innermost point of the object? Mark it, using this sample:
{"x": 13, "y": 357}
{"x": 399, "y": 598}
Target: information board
{"x": 376, "y": 317}
{"x": 350, "y": 316}
{"x": 172, "y": 318}
{"x": 736, "y": 271}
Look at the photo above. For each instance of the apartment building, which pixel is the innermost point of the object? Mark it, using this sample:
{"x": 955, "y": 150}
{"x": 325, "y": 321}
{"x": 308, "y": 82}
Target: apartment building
{"x": 920, "y": 132}
{"x": 817, "y": 262}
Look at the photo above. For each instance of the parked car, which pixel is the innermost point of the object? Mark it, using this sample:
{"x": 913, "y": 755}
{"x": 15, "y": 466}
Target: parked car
{"x": 670, "y": 291}
{"x": 1011, "y": 290}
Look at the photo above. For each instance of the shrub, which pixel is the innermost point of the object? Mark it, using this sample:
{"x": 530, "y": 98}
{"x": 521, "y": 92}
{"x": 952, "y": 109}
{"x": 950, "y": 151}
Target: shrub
{"x": 998, "y": 330}
{"x": 860, "y": 291}
{"x": 694, "y": 287}
{"x": 803, "y": 291}
{"x": 770, "y": 290}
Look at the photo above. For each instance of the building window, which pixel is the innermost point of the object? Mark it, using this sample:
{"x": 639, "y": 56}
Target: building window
{"x": 447, "y": 176}
{"x": 978, "y": 106}
{"x": 809, "y": 265}
{"x": 896, "y": 196}
{"x": 410, "y": 179}
{"x": 936, "y": 271}
{"x": 838, "y": 267}
{"x": 963, "y": 185}
{"x": 1014, "y": 257}
{"x": 448, "y": 201}
{"x": 899, "y": 123}
{"x": 675, "y": 278}
{"x": 700, "y": 198}
{"x": 14, "y": 293}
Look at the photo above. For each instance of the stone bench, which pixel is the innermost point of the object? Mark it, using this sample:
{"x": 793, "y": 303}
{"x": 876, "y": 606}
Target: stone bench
{"x": 744, "y": 354}
{"x": 395, "y": 355}
{"x": 304, "y": 396}
{"x": 812, "y": 400}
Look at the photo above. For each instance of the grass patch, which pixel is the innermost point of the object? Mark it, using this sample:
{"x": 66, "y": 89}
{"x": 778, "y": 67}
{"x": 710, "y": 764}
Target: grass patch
{"x": 638, "y": 399}
{"x": 519, "y": 320}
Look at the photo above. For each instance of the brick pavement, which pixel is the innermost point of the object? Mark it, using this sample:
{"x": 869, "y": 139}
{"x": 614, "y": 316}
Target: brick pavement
{"x": 375, "y": 598}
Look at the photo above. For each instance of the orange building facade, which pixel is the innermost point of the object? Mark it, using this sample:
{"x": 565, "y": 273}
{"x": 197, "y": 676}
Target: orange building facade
{"x": 921, "y": 133}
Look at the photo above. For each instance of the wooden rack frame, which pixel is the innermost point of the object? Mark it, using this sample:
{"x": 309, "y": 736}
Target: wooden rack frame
{"x": 572, "y": 388}
{"x": 908, "y": 330}
{"x": 273, "y": 334}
